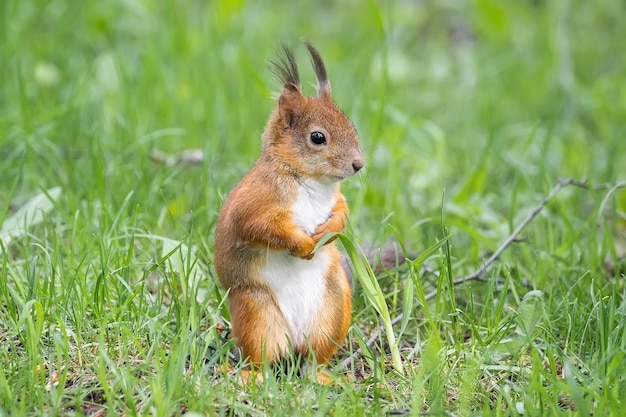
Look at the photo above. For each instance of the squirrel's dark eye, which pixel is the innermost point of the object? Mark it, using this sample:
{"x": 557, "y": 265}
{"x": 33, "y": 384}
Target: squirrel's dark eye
{"x": 318, "y": 138}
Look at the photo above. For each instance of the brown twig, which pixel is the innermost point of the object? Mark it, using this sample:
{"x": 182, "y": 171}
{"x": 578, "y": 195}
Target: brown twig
{"x": 513, "y": 237}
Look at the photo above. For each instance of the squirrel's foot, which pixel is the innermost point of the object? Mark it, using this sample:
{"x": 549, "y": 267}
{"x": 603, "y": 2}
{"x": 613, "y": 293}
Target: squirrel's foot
{"x": 247, "y": 376}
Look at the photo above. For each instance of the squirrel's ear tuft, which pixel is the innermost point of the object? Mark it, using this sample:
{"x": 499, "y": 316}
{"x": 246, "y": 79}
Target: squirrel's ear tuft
{"x": 291, "y": 100}
{"x": 286, "y": 69}
{"x": 323, "y": 85}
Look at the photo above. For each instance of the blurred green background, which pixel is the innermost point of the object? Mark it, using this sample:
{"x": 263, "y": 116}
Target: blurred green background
{"x": 477, "y": 98}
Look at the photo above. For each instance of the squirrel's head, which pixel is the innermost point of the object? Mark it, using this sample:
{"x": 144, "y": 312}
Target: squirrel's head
{"x": 311, "y": 136}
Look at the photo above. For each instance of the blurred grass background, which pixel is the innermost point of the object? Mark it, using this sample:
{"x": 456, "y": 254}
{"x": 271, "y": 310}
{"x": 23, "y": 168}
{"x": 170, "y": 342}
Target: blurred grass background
{"x": 475, "y": 98}
{"x": 467, "y": 111}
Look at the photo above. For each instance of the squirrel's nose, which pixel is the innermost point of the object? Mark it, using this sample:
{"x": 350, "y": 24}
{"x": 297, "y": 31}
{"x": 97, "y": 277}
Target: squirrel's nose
{"x": 357, "y": 164}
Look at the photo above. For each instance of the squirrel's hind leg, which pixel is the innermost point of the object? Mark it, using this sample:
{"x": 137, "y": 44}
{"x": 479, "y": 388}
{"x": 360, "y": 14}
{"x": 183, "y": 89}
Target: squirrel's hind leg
{"x": 258, "y": 325}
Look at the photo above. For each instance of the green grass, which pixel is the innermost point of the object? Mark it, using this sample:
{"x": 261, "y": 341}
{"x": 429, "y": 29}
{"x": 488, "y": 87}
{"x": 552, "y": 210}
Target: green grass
{"x": 469, "y": 113}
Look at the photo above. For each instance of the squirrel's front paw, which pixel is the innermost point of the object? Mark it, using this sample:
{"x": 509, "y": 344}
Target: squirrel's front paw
{"x": 332, "y": 225}
{"x": 308, "y": 256}
{"x": 319, "y": 235}
{"x": 304, "y": 250}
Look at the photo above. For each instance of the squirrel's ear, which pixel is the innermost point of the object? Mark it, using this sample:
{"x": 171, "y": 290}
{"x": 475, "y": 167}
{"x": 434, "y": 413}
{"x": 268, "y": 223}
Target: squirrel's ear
{"x": 323, "y": 85}
{"x": 290, "y": 104}
{"x": 291, "y": 100}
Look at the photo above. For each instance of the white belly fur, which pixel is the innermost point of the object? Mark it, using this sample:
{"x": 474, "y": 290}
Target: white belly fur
{"x": 299, "y": 285}
{"x": 314, "y": 204}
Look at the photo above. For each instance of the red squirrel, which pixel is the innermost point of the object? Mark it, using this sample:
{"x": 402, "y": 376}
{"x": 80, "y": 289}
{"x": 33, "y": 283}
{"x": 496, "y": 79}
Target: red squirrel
{"x": 283, "y": 297}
